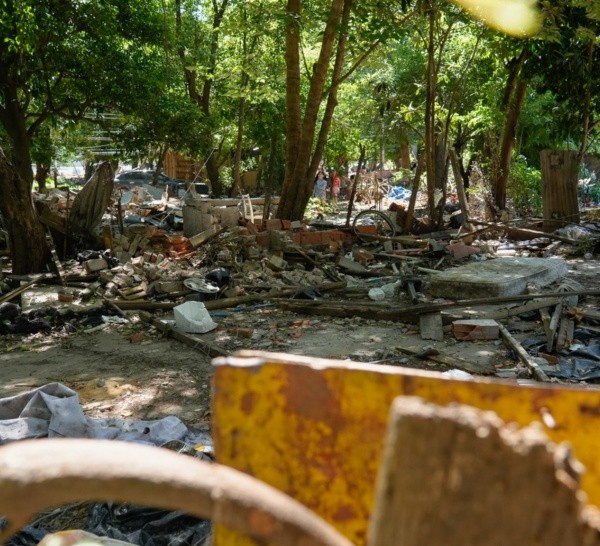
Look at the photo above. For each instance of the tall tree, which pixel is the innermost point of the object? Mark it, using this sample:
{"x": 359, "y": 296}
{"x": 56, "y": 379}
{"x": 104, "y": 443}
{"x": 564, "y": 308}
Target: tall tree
{"x": 60, "y": 60}
{"x": 198, "y": 27}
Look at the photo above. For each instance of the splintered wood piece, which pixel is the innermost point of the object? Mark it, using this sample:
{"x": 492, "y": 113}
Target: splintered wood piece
{"x": 553, "y": 326}
{"x": 459, "y": 475}
{"x": 565, "y": 334}
{"x": 523, "y": 355}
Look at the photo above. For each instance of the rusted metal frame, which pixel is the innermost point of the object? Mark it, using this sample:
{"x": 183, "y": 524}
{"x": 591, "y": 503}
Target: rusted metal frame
{"x": 93, "y": 470}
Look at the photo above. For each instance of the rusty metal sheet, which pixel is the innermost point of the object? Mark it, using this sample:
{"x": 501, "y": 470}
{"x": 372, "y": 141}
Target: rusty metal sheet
{"x": 315, "y": 428}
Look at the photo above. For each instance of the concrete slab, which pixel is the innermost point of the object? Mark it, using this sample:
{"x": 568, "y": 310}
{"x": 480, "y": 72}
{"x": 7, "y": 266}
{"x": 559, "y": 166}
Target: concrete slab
{"x": 499, "y": 277}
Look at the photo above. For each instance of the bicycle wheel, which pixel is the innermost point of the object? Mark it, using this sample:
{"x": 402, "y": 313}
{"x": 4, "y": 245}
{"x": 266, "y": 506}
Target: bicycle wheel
{"x": 385, "y": 226}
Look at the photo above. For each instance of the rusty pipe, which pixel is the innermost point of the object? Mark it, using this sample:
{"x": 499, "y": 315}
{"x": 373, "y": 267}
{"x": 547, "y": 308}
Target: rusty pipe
{"x": 38, "y": 474}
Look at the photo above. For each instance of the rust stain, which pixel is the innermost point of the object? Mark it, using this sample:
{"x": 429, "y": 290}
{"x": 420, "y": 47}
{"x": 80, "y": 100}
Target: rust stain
{"x": 344, "y": 512}
{"x": 308, "y": 395}
{"x": 590, "y": 410}
{"x": 247, "y": 402}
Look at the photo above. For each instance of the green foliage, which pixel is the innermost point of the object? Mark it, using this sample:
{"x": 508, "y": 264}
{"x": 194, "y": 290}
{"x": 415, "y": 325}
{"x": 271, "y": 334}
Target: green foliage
{"x": 525, "y": 186}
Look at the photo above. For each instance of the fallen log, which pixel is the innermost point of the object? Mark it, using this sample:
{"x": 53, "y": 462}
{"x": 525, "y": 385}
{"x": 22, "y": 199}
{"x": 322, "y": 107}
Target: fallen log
{"x": 384, "y": 311}
{"x": 378, "y": 311}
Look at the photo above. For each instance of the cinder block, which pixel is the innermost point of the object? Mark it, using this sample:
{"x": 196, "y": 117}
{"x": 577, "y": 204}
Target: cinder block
{"x": 367, "y": 230}
{"x": 98, "y": 264}
{"x": 460, "y": 250}
{"x": 475, "y": 329}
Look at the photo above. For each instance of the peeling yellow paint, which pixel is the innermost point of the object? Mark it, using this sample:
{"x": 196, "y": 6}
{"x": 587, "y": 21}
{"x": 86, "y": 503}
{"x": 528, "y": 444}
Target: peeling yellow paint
{"x": 315, "y": 428}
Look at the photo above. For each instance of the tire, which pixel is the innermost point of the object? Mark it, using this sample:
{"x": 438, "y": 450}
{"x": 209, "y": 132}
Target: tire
{"x": 385, "y": 226}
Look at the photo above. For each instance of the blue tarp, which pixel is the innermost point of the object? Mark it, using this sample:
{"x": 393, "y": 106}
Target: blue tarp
{"x": 399, "y": 193}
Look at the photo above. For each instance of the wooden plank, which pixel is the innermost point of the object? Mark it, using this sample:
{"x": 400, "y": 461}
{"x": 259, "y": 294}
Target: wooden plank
{"x": 460, "y": 190}
{"x": 233, "y": 202}
{"x": 17, "y": 291}
{"x": 190, "y": 340}
{"x": 450, "y": 362}
{"x": 528, "y": 233}
{"x": 523, "y": 355}
{"x": 230, "y": 302}
{"x": 438, "y": 461}
{"x": 565, "y": 334}
{"x": 553, "y": 326}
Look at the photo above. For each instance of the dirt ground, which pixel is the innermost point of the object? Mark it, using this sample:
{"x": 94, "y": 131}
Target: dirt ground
{"x": 157, "y": 377}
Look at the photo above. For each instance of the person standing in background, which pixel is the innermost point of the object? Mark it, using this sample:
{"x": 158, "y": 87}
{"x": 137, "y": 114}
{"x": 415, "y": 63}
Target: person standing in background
{"x": 320, "y": 187}
{"x": 335, "y": 186}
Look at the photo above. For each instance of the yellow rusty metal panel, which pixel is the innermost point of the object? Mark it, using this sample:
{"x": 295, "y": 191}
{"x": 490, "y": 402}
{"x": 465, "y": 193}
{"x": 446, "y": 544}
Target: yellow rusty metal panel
{"x": 315, "y": 428}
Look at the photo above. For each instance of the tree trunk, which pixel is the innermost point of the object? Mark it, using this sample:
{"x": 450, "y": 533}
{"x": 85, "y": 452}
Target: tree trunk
{"x": 512, "y": 102}
{"x": 25, "y": 232}
{"x": 559, "y": 188}
{"x": 202, "y": 98}
{"x": 42, "y": 170}
{"x": 508, "y": 142}
{"x": 212, "y": 171}
{"x": 237, "y": 177}
{"x": 430, "y": 117}
{"x": 162, "y": 152}
{"x": 301, "y": 131}
{"x": 26, "y": 235}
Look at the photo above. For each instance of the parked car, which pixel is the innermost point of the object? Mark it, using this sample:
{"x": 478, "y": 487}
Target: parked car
{"x": 139, "y": 177}
{"x": 201, "y": 188}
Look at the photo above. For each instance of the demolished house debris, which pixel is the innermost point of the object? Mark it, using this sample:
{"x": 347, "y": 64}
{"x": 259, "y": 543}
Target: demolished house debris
{"x": 154, "y": 252}
{"x": 219, "y": 275}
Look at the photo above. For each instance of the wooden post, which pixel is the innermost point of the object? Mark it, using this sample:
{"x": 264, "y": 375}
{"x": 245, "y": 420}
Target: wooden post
{"x": 460, "y": 190}
{"x": 559, "y": 188}
{"x": 459, "y": 475}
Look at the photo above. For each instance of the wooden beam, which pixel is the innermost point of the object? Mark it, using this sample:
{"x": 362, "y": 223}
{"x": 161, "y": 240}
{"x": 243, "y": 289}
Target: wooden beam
{"x": 448, "y": 361}
{"x": 523, "y": 355}
{"x": 529, "y": 233}
{"x": 192, "y": 341}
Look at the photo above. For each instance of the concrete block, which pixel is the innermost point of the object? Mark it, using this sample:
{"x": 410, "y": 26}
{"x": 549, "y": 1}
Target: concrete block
{"x": 277, "y": 262}
{"x": 431, "y": 326}
{"x": 350, "y": 265}
{"x": 98, "y": 264}
{"x": 475, "y": 329}
{"x": 460, "y": 250}
{"x": 363, "y": 256}
{"x": 498, "y": 277}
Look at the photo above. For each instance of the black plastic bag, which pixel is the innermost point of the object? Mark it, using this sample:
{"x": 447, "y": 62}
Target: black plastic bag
{"x": 147, "y": 526}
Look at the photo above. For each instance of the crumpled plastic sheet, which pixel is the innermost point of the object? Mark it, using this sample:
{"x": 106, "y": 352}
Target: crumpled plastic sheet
{"x": 580, "y": 362}
{"x": 54, "y": 411}
{"x": 147, "y": 526}
{"x": 580, "y": 231}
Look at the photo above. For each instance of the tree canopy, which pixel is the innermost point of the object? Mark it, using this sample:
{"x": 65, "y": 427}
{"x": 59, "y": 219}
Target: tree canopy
{"x": 296, "y": 83}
